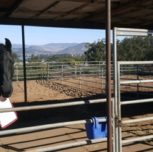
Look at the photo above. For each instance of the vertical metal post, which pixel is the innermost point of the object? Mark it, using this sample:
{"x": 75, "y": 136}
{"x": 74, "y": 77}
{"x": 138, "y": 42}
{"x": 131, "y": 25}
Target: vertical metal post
{"x": 24, "y": 64}
{"x": 102, "y": 77}
{"x": 75, "y": 70}
{"x": 138, "y": 79}
{"x": 115, "y": 108}
{"x": 48, "y": 71}
{"x": 115, "y": 114}
{"x": 62, "y": 73}
{"x": 80, "y": 78}
{"x": 99, "y": 71}
{"x": 108, "y": 76}
{"x": 119, "y": 141}
{"x": 17, "y": 73}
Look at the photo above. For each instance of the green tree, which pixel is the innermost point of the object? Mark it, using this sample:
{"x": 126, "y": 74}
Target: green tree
{"x": 136, "y": 48}
{"x": 16, "y": 59}
{"x": 95, "y": 51}
{"x": 35, "y": 58}
{"x": 65, "y": 58}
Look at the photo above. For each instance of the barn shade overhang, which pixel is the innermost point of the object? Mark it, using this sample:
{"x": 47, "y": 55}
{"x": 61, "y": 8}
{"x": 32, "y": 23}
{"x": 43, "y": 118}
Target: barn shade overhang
{"x": 76, "y": 13}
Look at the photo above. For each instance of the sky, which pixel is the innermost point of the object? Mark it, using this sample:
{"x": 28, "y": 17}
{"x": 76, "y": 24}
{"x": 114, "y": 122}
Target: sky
{"x": 44, "y": 35}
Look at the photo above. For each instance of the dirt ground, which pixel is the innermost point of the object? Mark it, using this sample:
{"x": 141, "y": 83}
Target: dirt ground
{"x": 55, "y": 90}
{"x": 35, "y": 92}
{"x": 67, "y": 134}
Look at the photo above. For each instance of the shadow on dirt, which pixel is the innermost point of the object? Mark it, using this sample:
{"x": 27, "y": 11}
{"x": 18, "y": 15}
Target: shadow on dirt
{"x": 54, "y": 115}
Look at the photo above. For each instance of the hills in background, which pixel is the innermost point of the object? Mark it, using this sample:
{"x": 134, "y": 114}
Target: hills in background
{"x": 51, "y": 49}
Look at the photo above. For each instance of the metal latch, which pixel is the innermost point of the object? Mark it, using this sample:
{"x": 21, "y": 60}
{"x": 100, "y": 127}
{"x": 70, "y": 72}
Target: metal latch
{"x": 118, "y": 122}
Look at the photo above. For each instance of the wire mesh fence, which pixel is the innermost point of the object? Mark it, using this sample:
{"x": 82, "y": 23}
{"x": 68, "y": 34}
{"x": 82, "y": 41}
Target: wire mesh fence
{"x": 86, "y": 76}
{"x": 137, "y": 75}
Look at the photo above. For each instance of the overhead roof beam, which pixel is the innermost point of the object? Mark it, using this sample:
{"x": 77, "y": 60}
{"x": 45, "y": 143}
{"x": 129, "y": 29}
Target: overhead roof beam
{"x": 124, "y": 6}
{"x": 128, "y": 6}
{"x": 80, "y": 0}
{"x": 87, "y": 1}
{"x": 13, "y": 8}
{"x": 69, "y": 23}
{"x": 47, "y": 8}
{"x": 56, "y": 2}
{"x": 51, "y": 23}
{"x": 118, "y": 10}
{"x": 75, "y": 9}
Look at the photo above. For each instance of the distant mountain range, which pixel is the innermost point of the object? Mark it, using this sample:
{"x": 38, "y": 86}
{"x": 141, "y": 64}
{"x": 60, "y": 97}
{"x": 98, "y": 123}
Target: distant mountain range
{"x": 51, "y": 49}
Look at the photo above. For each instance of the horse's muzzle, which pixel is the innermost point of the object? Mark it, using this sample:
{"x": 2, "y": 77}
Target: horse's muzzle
{"x": 6, "y": 90}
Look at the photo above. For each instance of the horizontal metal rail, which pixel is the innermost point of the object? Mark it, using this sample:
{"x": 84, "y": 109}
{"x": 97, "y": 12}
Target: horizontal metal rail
{"x": 140, "y": 86}
{"x": 134, "y": 62}
{"x": 26, "y": 108}
{"x": 76, "y": 62}
{"x": 47, "y": 126}
{"x": 148, "y": 87}
{"x": 69, "y": 145}
{"x": 135, "y": 81}
{"x": 55, "y": 72}
{"x": 133, "y": 32}
{"x": 82, "y": 76}
{"x": 137, "y": 120}
{"x": 138, "y": 139}
{"x": 136, "y": 101}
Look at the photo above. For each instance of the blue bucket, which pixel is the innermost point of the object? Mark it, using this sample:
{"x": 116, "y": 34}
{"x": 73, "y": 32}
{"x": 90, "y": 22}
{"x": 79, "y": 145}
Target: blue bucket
{"x": 96, "y": 129}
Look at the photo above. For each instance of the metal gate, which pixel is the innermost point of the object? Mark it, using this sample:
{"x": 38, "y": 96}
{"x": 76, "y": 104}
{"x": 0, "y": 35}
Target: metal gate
{"x": 118, "y": 142}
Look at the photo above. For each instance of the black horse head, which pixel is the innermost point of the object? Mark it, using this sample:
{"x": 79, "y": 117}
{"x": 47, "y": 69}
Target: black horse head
{"x": 6, "y": 69}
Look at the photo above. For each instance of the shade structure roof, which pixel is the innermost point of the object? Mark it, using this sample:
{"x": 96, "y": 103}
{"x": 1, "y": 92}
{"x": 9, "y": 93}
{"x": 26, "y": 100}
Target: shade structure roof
{"x": 77, "y": 13}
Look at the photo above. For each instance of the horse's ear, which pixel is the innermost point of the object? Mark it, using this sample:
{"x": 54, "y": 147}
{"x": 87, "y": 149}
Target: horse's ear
{"x": 8, "y": 44}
